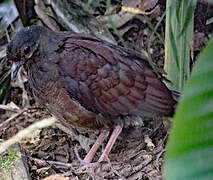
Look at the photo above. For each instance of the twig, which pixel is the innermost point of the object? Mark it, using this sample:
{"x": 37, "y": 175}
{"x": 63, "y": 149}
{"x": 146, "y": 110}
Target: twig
{"x": 69, "y": 165}
{"x": 78, "y": 156}
{"x": 136, "y": 175}
{"x": 158, "y": 157}
{"x": 7, "y": 35}
{"x": 12, "y": 117}
{"x": 46, "y": 162}
{"x": 115, "y": 171}
{"x": 7, "y": 108}
{"x": 26, "y": 132}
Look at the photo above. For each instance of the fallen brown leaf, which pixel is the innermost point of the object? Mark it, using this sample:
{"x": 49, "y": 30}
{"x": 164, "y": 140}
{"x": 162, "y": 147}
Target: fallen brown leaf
{"x": 56, "y": 177}
{"x": 139, "y": 7}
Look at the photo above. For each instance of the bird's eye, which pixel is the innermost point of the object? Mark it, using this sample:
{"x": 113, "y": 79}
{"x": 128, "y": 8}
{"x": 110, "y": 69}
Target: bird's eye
{"x": 26, "y": 49}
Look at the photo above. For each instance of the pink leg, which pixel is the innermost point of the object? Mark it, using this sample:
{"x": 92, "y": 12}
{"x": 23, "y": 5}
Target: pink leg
{"x": 111, "y": 142}
{"x": 104, "y": 134}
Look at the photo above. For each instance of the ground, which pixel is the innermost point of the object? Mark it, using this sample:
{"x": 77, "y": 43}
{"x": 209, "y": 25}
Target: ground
{"x": 139, "y": 153}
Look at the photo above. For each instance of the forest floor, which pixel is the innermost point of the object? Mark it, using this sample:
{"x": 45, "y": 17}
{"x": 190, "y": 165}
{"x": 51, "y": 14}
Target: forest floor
{"x": 139, "y": 152}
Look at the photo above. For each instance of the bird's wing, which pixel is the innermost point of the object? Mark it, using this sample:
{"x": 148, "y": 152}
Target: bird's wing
{"x": 107, "y": 79}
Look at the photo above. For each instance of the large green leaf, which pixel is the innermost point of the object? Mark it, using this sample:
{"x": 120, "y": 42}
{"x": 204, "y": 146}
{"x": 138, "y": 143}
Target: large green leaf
{"x": 190, "y": 147}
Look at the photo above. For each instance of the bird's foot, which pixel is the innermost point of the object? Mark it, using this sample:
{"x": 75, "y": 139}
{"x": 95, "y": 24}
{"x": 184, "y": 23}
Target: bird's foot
{"x": 88, "y": 165}
{"x": 104, "y": 157}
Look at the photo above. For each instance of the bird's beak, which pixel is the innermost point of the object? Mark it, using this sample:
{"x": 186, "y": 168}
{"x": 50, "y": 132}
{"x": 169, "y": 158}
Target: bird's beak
{"x": 15, "y": 68}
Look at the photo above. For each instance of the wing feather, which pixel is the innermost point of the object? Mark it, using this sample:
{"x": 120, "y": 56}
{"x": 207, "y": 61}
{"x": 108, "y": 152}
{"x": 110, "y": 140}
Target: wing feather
{"x": 111, "y": 80}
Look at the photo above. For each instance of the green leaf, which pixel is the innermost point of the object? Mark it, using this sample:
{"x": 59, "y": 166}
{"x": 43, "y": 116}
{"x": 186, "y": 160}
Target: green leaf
{"x": 108, "y": 5}
{"x": 188, "y": 16}
{"x": 178, "y": 36}
{"x": 89, "y": 2}
{"x": 178, "y": 8}
{"x": 174, "y": 47}
{"x": 190, "y": 147}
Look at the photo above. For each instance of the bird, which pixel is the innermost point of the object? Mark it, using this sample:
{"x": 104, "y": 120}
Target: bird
{"x": 89, "y": 84}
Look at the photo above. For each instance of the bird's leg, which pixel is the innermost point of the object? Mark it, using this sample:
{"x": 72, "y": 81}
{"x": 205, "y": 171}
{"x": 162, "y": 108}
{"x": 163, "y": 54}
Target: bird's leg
{"x": 87, "y": 160}
{"x": 117, "y": 130}
{"x": 104, "y": 134}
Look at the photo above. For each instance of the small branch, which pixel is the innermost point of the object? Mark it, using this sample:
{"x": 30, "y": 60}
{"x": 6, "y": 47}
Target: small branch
{"x": 26, "y": 132}
{"x": 46, "y": 162}
{"x": 8, "y": 108}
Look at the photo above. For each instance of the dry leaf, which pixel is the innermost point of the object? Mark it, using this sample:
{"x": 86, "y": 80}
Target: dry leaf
{"x": 139, "y": 6}
{"x": 149, "y": 142}
{"x": 56, "y": 177}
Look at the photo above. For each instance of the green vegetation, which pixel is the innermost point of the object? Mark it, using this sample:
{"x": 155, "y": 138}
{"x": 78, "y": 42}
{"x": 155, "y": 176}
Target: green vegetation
{"x": 7, "y": 160}
{"x": 189, "y": 154}
{"x": 190, "y": 147}
{"x": 178, "y": 38}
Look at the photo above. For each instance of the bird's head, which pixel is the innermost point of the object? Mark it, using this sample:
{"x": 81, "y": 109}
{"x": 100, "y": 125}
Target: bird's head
{"x": 22, "y": 47}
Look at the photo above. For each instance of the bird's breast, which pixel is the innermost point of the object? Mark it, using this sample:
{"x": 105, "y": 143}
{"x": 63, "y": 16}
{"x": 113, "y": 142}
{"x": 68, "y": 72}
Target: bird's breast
{"x": 49, "y": 91}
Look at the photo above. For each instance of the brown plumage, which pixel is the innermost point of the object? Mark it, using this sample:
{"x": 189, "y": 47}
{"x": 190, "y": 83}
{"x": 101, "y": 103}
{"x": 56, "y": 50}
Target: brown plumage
{"x": 88, "y": 83}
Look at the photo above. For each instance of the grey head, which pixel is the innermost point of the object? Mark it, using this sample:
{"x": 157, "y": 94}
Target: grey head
{"x": 23, "y": 45}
